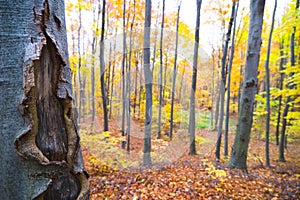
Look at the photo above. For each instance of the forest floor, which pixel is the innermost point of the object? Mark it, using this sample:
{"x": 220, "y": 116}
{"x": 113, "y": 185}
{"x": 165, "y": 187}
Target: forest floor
{"x": 117, "y": 174}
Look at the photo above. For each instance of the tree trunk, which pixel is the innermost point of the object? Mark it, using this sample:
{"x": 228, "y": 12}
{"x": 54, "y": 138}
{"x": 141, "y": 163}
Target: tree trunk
{"x": 174, "y": 74}
{"x": 129, "y": 78}
{"x": 281, "y": 67}
{"x": 113, "y": 77}
{"x": 39, "y": 143}
{"x": 268, "y": 88}
{"x": 135, "y": 84}
{"x": 102, "y": 71}
{"x": 223, "y": 82}
{"x": 289, "y": 98}
{"x": 240, "y": 147}
{"x": 194, "y": 82}
{"x": 123, "y": 70}
{"x": 148, "y": 83}
{"x": 79, "y": 66}
{"x": 212, "y": 90}
{"x": 228, "y": 84}
{"x": 161, "y": 70}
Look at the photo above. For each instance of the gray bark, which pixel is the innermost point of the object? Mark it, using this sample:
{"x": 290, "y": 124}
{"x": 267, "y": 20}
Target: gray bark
{"x": 102, "y": 71}
{"x": 174, "y": 74}
{"x": 289, "y": 98}
{"x": 39, "y": 143}
{"x": 223, "y": 82}
{"x": 228, "y": 84}
{"x": 281, "y": 67}
{"x": 161, "y": 70}
{"x": 123, "y": 69}
{"x": 240, "y": 147}
{"x": 148, "y": 82}
{"x": 129, "y": 78}
{"x": 268, "y": 88}
{"x": 194, "y": 82}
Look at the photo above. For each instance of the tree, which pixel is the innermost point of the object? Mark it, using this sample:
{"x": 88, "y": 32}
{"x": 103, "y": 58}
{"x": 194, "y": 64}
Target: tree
{"x": 240, "y": 147}
{"x": 229, "y": 82}
{"x": 223, "y": 81}
{"x": 174, "y": 73}
{"x": 148, "y": 82}
{"x": 161, "y": 69}
{"x": 94, "y": 47}
{"x": 36, "y": 102}
{"x": 102, "y": 70}
{"x": 123, "y": 69}
{"x": 268, "y": 88}
{"x": 194, "y": 82}
{"x": 128, "y": 85}
{"x": 289, "y": 98}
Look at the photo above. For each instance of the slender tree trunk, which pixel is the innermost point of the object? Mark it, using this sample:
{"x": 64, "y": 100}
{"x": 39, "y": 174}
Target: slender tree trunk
{"x": 194, "y": 82}
{"x": 165, "y": 76}
{"x": 174, "y": 74}
{"x": 112, "y": 90}
{"x": 123, "y": 70}
{"x": 217, "y": 105}
{"x": 112, "y": 78}
{"x": 228, "y": 84}
{"x": 135, "y": 85}
{"x": 223, "y": 82}
{"x": 289, "y": 98}
{"x": 281, "y": 67}
{"x": 39, "y": 145}
{"x": 181, "y": 85}
{"x": 268, "y": 88}
{"x": 79, "y": 66}
{"x": 161, "y": 69}
{"x": 102, "y": 71}
{"x": 129, "y": 78}
{"x": 140, "y": 90}
{"x": 212, "y": 91}
{"x": 148, "y": 83}
{"x": 240, "y": 147}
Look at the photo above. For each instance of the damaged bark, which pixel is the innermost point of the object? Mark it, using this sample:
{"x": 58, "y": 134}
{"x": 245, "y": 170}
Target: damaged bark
{"x": 37, "y": 101}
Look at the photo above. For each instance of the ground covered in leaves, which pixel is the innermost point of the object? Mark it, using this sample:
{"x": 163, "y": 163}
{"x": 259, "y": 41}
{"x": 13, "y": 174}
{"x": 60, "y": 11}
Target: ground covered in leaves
{"x": 115, "y": 174}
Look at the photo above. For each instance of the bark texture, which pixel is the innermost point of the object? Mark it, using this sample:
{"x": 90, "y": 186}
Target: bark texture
{"x": 240, "y": 147}
{"x": 148, "y": 80}
{"x": 194, "y": 82}
{"x": 39, "y": 142}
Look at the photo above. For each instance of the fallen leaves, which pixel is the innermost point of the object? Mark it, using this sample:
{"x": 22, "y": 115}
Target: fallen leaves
{"x": 190, "y": 178}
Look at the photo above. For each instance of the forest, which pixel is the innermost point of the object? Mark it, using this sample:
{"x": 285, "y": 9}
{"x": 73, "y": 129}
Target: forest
{"x": 150, "y": 99}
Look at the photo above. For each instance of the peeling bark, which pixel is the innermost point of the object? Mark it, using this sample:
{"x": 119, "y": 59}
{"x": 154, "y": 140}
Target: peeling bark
{"x": 50, "y": 165}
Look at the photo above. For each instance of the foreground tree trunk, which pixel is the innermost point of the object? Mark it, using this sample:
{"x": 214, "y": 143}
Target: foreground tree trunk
{"x": 39, "y": 143}
{"x": 148, "y": 82}
{"x": 240, "y": 147}
{"x": 194, "y": 81}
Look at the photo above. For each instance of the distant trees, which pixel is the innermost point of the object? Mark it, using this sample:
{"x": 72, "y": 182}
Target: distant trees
{"x": 125, "y": 84}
